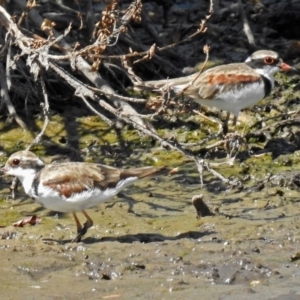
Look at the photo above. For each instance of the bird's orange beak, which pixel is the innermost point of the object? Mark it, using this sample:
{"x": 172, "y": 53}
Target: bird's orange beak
{"x": 285, "y": 67}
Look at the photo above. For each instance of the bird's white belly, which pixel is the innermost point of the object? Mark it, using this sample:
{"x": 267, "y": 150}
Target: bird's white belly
{"x": 51, "y": 199}
{"x": 237, "y": 99}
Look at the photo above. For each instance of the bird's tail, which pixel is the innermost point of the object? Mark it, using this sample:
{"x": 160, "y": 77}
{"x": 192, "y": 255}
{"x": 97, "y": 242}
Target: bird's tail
{"x": 148, "y": 172}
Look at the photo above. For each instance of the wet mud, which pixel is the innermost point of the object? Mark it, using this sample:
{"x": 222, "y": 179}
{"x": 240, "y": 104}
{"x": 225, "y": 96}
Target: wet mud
{"x": 149, "y": 244}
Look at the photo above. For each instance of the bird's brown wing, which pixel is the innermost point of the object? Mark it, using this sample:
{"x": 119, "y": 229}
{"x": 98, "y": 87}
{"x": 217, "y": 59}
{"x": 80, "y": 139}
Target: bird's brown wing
{"x": 71, "y": 178}
{"x": 221, "y": 79}
{"x": 210, "y": 83}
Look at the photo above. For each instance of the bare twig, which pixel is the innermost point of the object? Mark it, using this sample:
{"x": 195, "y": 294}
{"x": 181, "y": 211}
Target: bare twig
{"x": 246, "y": 25}
{"x": 108, "y": 121}
{"x": 45, "y": 107}
{"x": 6, "y": 98}
{"x": 206, "y": 52}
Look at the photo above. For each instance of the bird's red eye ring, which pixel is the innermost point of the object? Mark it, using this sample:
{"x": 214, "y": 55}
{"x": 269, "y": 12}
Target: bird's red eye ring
{"x": 16, "y": 162}
{"x": 269, "y": 60}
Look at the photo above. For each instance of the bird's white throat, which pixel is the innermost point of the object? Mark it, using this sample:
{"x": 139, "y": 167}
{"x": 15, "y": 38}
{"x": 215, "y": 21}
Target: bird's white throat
{"x": 268, "y": 73}
{"x": 26, "y": 176}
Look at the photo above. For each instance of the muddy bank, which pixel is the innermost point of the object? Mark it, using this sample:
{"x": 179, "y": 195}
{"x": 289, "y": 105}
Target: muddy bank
{"x": 150, "y": 245}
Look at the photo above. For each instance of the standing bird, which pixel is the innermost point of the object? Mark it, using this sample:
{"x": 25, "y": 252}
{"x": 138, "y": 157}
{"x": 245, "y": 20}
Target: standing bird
{"x": 230, "y": 87}
{"x": 74, "y": 186}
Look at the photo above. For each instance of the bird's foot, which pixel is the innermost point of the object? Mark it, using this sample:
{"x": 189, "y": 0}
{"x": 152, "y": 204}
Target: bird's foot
{"x": 81, "y": 233}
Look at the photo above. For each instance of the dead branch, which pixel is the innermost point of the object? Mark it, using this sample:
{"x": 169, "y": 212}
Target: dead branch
{"x": 80, "y": 64}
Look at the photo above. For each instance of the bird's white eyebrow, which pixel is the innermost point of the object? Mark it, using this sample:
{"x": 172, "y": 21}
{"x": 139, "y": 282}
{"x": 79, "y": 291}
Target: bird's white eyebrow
{"x": 260, "y": 57}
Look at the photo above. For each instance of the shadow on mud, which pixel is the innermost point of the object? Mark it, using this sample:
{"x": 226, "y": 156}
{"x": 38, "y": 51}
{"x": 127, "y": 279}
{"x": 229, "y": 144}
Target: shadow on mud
{"x": 137, "y": 238}
{"x": 148, "y": 237}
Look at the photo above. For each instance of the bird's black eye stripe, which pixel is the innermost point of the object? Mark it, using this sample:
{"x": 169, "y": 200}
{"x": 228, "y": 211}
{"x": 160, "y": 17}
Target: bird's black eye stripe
{"x": 16, "y": 162}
